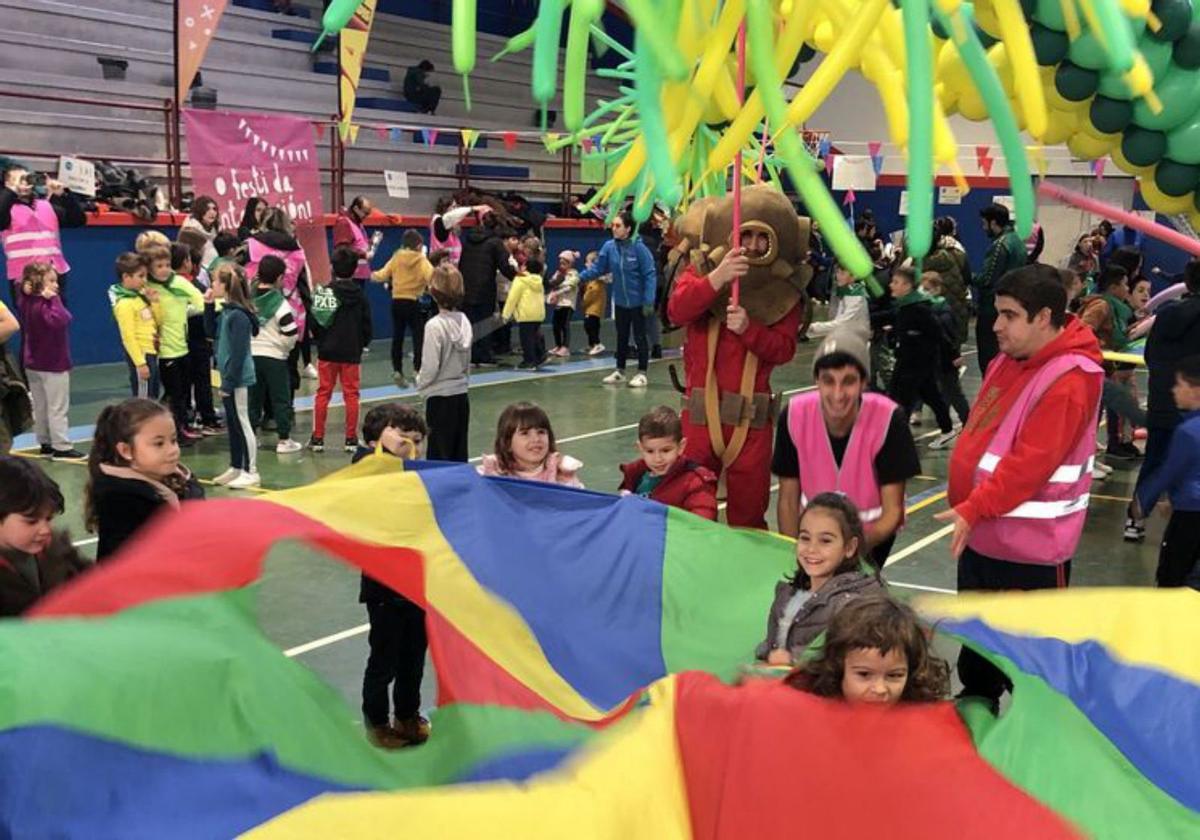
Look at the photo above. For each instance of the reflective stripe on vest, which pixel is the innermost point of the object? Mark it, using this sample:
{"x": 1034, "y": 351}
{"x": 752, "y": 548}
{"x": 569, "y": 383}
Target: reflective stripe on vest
{"x": 1066, "y": 474}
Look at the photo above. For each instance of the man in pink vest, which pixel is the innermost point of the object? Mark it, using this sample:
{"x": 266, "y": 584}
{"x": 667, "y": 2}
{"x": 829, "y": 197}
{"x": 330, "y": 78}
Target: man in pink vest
{"x": 840, "y": 439}
{"x": 29, "y": 226}
{"x": 348, "y": 232}
{"x": 1021, "y": 470}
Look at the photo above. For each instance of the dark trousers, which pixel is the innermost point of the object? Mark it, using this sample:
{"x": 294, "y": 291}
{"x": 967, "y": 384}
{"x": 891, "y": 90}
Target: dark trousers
{"x": 147, "y": 388}
{"x": 977, "y": 572}
{"x": 448, "y": 419}
{"x": 951, "y": 387}
{"x": 908, "y": 385}
{"x": 591, "y": 325}
{"x": 174, "y": 374}
{"x": 985, "y": 339}
{"x": 631, "y": 316}
{"x": 199, "y": 382}
{"x": 407, "y": 314}
{"x": 273, "y": 388}
{"x": 562, "y": 326}
{"x": 1158, "y": 440}
{"x": 1179, "y": 555}
{"x": 878, "y": 555}
{"x": 396, "y": 658}
{"x": 502, "y": 339}
{"x": 531, "y": 334}
{"x": 481, "y": 350}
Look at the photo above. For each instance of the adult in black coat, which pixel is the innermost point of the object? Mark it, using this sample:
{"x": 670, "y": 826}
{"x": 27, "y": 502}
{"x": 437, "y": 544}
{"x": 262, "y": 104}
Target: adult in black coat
{"x": 483, "y": 254}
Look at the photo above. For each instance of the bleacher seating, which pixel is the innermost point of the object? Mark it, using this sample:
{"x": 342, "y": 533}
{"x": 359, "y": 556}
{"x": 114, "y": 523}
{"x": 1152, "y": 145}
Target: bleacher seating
{"x": 261, "y": 61}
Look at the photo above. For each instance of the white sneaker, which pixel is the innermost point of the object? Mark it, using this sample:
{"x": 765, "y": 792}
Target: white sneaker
{"x": 1102, "y": 466}
{"x": 1098, "y": 473}
{"x": 638, "y": 381}
{"x": 310, "y": 372}
{"x": 614, "y": 378}
{"x": 595, "y": 349}
{"x": 227, "y": 476}
{"x": 288, "y": 446}
{"x": 944, "y": 439}
{"x": 245, "y": 480}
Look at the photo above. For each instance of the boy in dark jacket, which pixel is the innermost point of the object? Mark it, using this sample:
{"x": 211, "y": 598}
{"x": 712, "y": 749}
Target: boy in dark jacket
{"x": 662, "y": 474}
{"x": 919, "y": 348}
{"x": 343, "y": 330}
{"x": 397, "y": 638}
{"x": 948, "y": 363}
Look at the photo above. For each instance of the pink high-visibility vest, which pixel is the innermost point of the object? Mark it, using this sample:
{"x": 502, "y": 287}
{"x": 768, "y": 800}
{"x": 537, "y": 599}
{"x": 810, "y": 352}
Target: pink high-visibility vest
{"x": 1044, "y": 530}
{"x": 289, "y": 285}
{"x": 451, "y": 243}
{"x": 819, "y": 471}
{"x": 33, "y": 237}
{"x": 362, "y": 244}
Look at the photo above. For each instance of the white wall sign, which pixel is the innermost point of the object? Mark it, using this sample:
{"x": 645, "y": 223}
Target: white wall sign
{"x": 77, "y": 175}
{"x": 949, "y": 195}
{"x": 1007, "y": 201}
{"x": 397, "y": 183}
{"x": 853, "y": 172}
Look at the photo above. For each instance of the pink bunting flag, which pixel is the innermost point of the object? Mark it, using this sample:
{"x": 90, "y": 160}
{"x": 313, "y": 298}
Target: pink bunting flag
{"x": 874, "y": 148}
{"x": 829, "y": 163}
{"x": 981, "y": 154}
{"x": 586, "y": 142}
{"x": 429, "y": 135}
{"x": 849, "y": 198}
{"x": 320, "y": 131}
{"x": 1098, "y": 168}
{"x": 510, "y": 140}
{"x": 381, "y": 132}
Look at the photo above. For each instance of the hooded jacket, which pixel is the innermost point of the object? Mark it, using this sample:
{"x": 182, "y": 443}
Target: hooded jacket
{"x": 483, "y": 254}
{"x": 1049, "y": 433}
{"x": 445, "y": 355}
{"x": 350, "y": 330}
{"x": 235, "y": 331}
{"x": 408, "y": 271}
{"x": 1174, "y": 336}
{"x": 278, "y": 330}
{"x": 526, "y": 302}
{"x": 816, "y": 613}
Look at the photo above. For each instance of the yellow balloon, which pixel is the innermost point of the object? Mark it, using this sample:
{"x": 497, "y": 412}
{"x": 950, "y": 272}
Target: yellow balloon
{"x": 1122, "y": 162}
{"x": 998, "y": 58}
{"x": 1060, "y": 125}
{"x": 1016, "y": 112}
{"x": 985, "y": 17}
{"x": 1023, "y": 65}
{"x": 1194, "y": 219}
{"x": 1158, "y": 201}
{"x": 970, "y": 105}
{"x": 824, "y": 36}
{"x": 889, "y": 82}
{"x": 951, "y": 71}
{"x": 1086, "y": 145}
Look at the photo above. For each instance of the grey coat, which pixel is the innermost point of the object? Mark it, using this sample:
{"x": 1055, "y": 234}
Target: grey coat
{"x": 817, "y": 611}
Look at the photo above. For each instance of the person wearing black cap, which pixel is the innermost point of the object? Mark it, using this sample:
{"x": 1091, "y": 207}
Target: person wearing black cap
{"x": 1007, "y": 252}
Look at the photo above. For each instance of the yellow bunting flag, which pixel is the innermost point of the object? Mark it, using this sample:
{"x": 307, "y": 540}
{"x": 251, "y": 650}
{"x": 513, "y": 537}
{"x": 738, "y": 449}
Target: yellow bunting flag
{"x": 353, "y": 46}
{"x": 549, "y": 139}
{"x": 469, "y": 136}
{"x": 1038, "y": 155}
{"x": 352, "y": 133}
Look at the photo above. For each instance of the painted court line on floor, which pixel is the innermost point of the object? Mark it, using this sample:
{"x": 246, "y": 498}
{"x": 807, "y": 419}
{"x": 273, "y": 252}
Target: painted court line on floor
{"x": 922, "y": 588}
{"x": 924, "y": 542}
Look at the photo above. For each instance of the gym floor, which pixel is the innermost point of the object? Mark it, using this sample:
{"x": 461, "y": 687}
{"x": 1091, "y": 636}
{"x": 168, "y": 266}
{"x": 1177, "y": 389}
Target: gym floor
{"x": 308, "y": 603}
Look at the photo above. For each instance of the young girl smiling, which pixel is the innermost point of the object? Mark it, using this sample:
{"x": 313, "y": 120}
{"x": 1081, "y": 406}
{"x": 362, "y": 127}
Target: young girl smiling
{"x": 525, "y": 449}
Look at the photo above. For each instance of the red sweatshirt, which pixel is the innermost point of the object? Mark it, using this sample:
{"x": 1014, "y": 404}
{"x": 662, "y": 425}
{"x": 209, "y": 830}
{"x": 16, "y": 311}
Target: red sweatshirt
{"x": 686, "y": 485}
{"x": 691, "y": 298}
{"x": 1063, "y": 413}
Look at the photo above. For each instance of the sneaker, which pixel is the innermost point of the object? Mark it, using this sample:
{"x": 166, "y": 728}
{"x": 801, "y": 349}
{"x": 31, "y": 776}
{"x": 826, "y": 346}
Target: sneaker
{"x": 46, "y": 450}
{"x": 656, "y": 351}
{"x": 914, "y": 419}
{"x": 71, "y": 454}
{"x": 227, "y": 476}
{"x": 414, "y": 730}
{"x": 1102, "y": 466}
{"x": 595, "y": 349}
{"x": 287, "y": 446}
{"x": 398, "y": 378}
{"x": 310, "y": 372}
{"x": 1098, "y": 473}
{"x": 1123, "y": 451}
{"x": 316, "y": 444}
{"x": 638, "y": 381}
{"x": 1135, "y": 531}
{"x": 944, "y": 439}
{"x": 351, "y": 444}
{"x": 614, "y": 378}
{"x": 245, "y": 481}
{"x": 527, "y": 366}
{"x": 212, "y": 429}
{"x": 366, "y": 350}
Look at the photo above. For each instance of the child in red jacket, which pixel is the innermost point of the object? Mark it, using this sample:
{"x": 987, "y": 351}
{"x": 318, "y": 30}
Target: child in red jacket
{"x": 662, "y": 474}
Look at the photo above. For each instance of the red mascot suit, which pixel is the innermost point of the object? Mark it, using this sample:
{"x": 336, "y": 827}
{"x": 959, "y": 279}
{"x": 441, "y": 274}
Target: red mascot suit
{"x": 728, "y": 408}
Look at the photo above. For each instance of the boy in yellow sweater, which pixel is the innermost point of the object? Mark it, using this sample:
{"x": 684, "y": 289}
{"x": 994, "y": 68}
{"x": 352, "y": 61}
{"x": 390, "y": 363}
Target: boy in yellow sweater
{"x": 526, "y": 305}
{"x": 135, "y": 309}
{"x": 408, "y": 273}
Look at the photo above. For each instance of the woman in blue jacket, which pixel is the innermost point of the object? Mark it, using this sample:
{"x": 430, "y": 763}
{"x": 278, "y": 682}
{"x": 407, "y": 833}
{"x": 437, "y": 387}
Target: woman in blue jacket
{"x": 633, "y": 282}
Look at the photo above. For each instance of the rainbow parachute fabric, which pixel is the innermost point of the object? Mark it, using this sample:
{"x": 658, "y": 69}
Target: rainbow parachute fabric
{"x": 567, "y": 630}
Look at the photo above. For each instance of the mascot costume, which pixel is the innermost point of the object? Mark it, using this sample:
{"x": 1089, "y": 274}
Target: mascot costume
{"x": 728, "y": 407}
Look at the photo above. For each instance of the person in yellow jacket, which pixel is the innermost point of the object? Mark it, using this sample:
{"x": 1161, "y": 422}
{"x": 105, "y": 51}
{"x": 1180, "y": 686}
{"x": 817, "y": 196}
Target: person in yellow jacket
{"x": 526, "y": 305}
{"x": 595, "y": 298}
{"x": 178, "y": 299}
{"x": 136, "y": 311}
{"x": 408, "y": 272}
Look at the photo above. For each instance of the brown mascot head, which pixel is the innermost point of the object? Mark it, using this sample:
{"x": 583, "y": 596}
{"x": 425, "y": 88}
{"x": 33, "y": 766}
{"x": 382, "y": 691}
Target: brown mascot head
{"x": 776, "y": 240}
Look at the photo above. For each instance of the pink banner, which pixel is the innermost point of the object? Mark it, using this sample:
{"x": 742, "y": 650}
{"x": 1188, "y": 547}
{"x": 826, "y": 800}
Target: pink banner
{"x": 237, "y": 156}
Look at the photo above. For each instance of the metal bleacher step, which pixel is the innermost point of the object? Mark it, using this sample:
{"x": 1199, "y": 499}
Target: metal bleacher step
{"x": 375, "y": 74}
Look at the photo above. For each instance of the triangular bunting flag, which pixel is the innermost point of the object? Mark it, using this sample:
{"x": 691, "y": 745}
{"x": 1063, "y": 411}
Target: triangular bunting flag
{"x": 510, "y": 140}
{"x": 320, "y": 131}
{"x": 196, "y": 21}
{"x": 586, "y": 142}
{"x": 381, "y": 132}
{"x": 1038, "y": 155}
{"x": 823, "y": 147}
{"x": 981, "y": 153}
{"x": 352, "y": 46}
{"x": 397, "y": 135}
{"x": 429, "y": 135}
{"x": 985, "y": 165}
{"x": 549, "y": 139}
{"x": 877, "y": 163}
{"x": 829, "y": 164}
{"x": 596, "y": 144}
{"x": 469, "y": 137}
{"x": 354, "y": 127}
{"x": 874, "y": 148}
{"x": 849, "y": 198}
{"x": 1098, "y": 168}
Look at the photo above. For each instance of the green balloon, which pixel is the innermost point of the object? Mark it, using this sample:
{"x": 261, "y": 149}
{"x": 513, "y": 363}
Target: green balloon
{"x": 1175, "y": 178}
{"x": 1176, "y": 17}
{"x": 1086, "y": 51}
{"x": 1183, "y": 143}
{"x": 1158, "y": 59}
{"x": 1187, "y": 49}
{"x": 1110, "y": 115}
{"x": 1143, "y": 147}
{"x": 1075, "y": 83}
{"x": 1049, "y": 14}
{"x": 1179, "y": 91}
{"x": 1049, "y": 46}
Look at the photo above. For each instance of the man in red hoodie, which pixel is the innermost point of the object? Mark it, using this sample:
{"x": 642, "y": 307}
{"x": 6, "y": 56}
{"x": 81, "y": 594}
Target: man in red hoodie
{"x": 1021, "y": 470}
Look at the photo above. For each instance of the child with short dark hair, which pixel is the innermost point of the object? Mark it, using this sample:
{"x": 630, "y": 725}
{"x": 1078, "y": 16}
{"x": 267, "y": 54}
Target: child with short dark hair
{"x": 133, "y": 472}
{"x": 136, "y": 311}
{"x": 343, "y": 324}
{"x": 185, "y": 262}
{"x": 177, "y": 300}
{"x": 1179, "y": 476}
{"x": 397, "y": 640}
{"x": 830, "y": 572}
{"x": 662, "y": 473}
{"x": 445, "y": 368}
{"x": 920, "y": 346}
{"x": 270, "y": 348}
{"x": 34, "y": 559}
{"x": 525, "y": 448}
{"x": 46, "y": 355}
{"x": 407, "y": 272}
{"x": 875, "y": 651}
{"x": 527, "y": 306}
